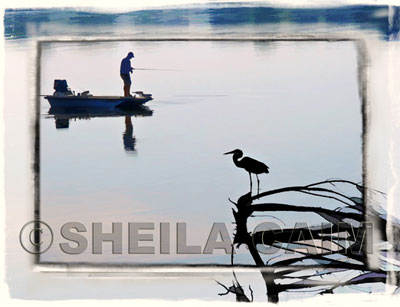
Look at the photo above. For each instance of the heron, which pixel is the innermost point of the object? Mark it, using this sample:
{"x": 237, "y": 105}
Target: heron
{"x": 251, "y": 165}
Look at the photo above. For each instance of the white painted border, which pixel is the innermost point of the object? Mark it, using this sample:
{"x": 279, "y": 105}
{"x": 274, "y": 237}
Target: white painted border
{"x": 116, "y": 5}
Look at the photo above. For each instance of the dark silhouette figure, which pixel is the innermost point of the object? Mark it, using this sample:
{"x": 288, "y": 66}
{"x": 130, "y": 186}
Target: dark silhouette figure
{"x": 125, "y": 70}
{"x": 250, "y": 165}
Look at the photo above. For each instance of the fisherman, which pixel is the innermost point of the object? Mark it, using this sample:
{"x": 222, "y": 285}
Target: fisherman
{"x": 125, "y": 71}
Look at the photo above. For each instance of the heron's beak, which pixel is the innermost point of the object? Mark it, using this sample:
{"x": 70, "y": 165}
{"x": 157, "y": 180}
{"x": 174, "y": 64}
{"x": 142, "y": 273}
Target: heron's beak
{"x": 230, "y": 152}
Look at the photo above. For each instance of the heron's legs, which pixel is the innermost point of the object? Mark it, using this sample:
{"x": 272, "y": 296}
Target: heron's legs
{"x": 258, "y": 185}
{"x": 251, "y": 183}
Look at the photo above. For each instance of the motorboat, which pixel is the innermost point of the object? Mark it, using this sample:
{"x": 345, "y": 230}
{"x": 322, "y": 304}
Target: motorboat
{"x": 63, "y": 97}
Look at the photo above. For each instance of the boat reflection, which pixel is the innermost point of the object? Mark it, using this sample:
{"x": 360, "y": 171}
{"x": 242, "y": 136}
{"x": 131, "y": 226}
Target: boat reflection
{"x": 63, "y": 116}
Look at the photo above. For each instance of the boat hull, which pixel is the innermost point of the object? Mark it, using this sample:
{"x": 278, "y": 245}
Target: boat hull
{"x": 104, "y": 102}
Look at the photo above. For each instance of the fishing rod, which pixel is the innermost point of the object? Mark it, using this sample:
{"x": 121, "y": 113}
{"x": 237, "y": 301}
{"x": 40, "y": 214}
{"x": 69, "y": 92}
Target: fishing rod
{"x": 157, "y": 69}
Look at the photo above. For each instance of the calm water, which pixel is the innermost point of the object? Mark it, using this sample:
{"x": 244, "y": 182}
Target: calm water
{"x": 292, "y": 105}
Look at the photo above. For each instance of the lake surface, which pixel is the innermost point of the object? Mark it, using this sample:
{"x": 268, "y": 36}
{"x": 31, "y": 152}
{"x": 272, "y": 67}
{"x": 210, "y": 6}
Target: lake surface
{"x": 292, "y": 105}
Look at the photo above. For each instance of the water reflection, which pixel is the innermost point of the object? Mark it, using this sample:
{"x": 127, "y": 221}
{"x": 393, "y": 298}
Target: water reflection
{"x": 127, "y": 136}
{"x": 62, "y": 119}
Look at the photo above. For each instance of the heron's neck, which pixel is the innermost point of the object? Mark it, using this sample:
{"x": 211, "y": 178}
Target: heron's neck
{"x": 236, "y": 158}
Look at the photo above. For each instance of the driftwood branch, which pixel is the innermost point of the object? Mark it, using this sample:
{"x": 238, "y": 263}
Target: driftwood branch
{"x": 298, "y": 240}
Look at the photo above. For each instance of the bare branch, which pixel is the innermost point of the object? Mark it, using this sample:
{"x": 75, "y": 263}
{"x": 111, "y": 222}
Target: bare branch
{"x": 326, "y": 196}
{"x": 286, "y": 207}
{"x": 331, "y": 181}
